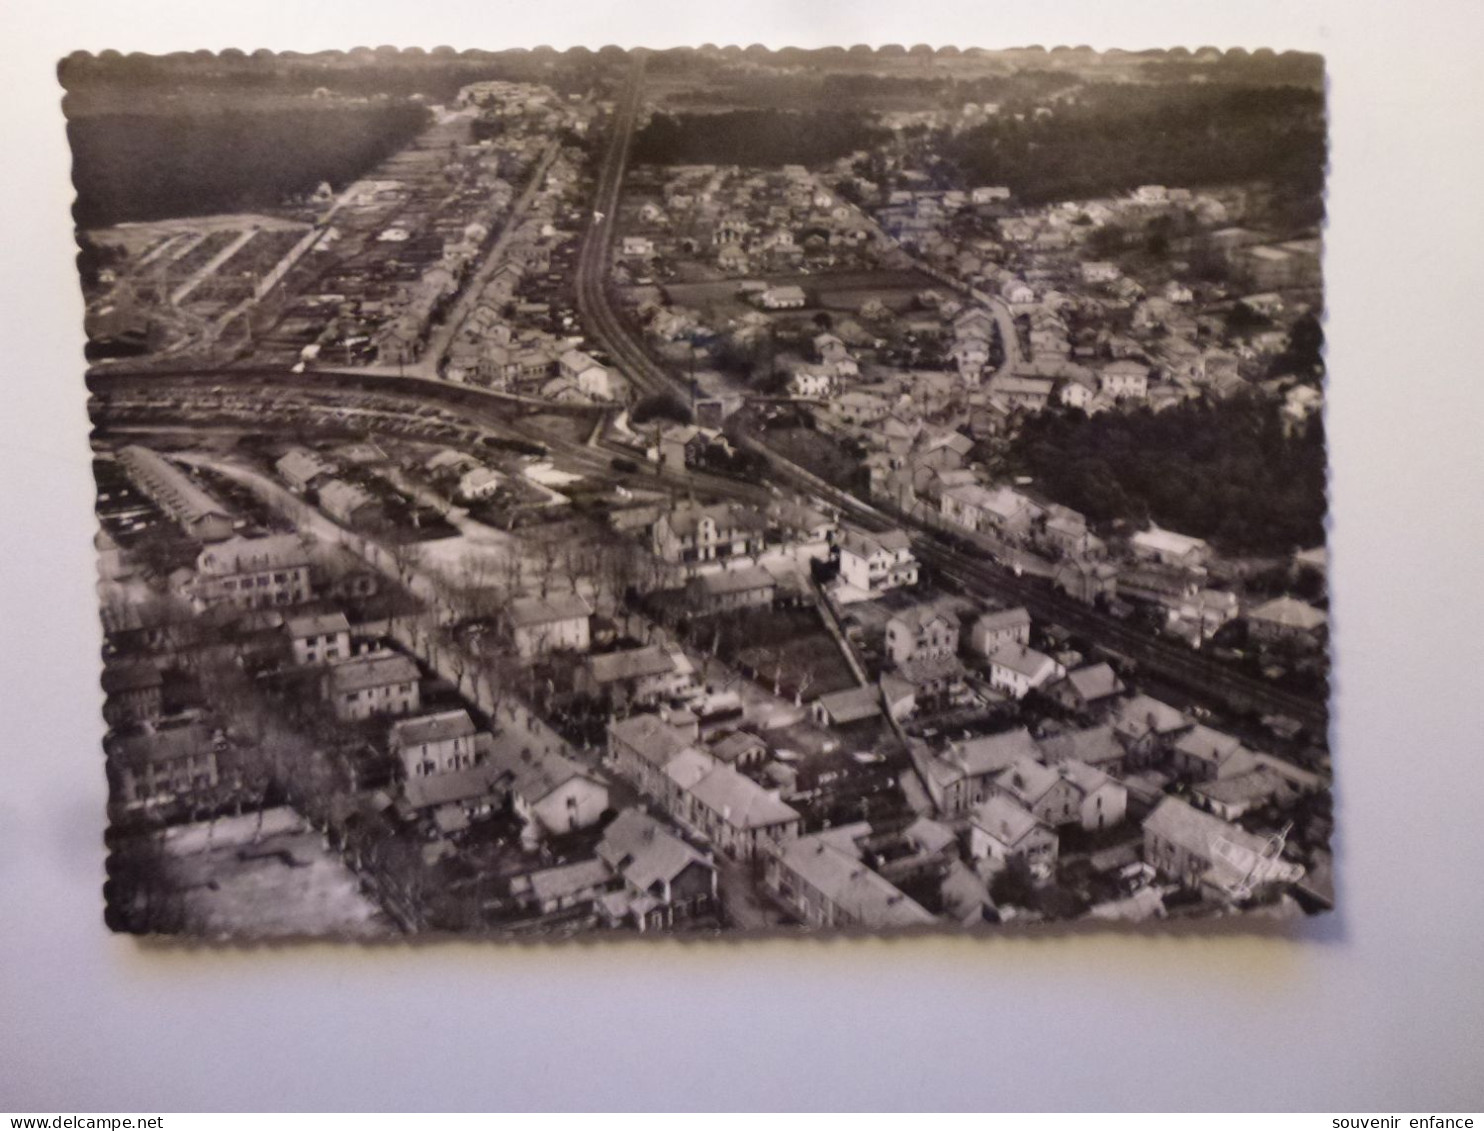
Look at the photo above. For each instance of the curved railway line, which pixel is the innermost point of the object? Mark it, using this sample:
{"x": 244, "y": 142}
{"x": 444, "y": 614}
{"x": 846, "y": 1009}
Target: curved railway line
{"x": 404, "y": 400}
{"x": 1179, "y": 665}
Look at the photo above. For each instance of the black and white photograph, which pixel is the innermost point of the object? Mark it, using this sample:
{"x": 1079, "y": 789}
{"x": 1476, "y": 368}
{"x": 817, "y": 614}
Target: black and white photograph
{"x": 706, "y": 490}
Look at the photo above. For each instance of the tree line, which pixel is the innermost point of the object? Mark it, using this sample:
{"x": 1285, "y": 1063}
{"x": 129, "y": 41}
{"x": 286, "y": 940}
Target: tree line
{"x": 755, "y": 138}
{"x": 1113, "y": 138}
{"x": 156, "y": 165}
{"x": 1226, "y": 471}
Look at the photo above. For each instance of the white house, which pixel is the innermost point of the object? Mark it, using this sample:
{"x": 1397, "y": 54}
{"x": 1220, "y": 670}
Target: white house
{"x": 1005, "y": 626}
{"x": 480, "y": 483}
{"x": 1016, "y": 669}
{"x": 1168, "y": 548}
{"x": 1124, "y": 378}
{"x": 781, "y": 298}
{"x": 321, "y": 639}
{"x": 547, "y": 790}
{"x": 559, "y": 623}
{"x": 1001, "y": 831}
{"x": 874, "y": 563}
{"x": 434, "y": 744}
{"x": 592, "y": 379}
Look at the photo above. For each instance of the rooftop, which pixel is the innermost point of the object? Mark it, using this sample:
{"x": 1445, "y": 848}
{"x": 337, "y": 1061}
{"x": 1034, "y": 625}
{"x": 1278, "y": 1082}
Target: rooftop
{"x": 635, "y": 663}
{"x": 526, "y": 612}
{"x": 740, "y": 801}
{"x": 1096, "y": 681}
{"x": 859, "y": 895}
{"x": 851, "y": 705}
{"x": 1288, "y": 612}
{"x": 533, "y": 774}
{"x": 442, "y": 727}
{"x": 644, "y": 852}
{"x": 372, "y": 671}
{"x": 318, "y": 624}
{"x": 1004, "y": 820}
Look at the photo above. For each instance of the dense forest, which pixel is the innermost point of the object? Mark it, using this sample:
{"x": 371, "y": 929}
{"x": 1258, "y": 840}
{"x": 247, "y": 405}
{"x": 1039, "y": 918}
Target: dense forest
{"x": 437, "y": 75}
{"x": 1112, "y": 138}
{"x": 157, "y": 165}
{"x": 753, "y": 138}
{"x": 1222, "y": 471}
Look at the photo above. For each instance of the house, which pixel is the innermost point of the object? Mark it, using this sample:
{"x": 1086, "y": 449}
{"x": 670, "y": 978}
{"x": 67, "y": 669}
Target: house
{"x": 808, "y": 532}
{"x": 1030, "y": 393}
{"x": 812, "y": 383}
{"x": 740, "y": 748}
{"x": 135, "y": 692}
{"x": 592, "y": 379}
{"x": 1124, "y": 378}
{"x": 830, "y": 348}
{"x": 252, "y": 573}
{"x": 1045, "y": 792}
{"x": 190, "y": 506}
{"x": 1065, "y": 534}
{"x": 381, "y": 683}
{"x": 1203, "y": 754}
{"x": 155, "y": 766}
{"x": 558, "y": 623}
{"x": 932, "y": 677}
{"x": 1097, "y": 746}
{"x": 350, "y": 505}
{"x": 1002, "y": 832}
{"x": 566, "y": 887}
{"x": 302, "y": 468}
{"x": 1099, "y": 271}
{"x": 433, "y": 744}
{"x": 922, "y": 631}
{"x": 961, "y": 775}
{"x": 1203, "y": 852}
{"x": 859, "y": 407}
{"x": 1102, "y": 800}
{"x": 841, "y": 708}
{"x": 781, "y": 298}
{"x": 636, "y": 247}
{"x": 988, "y": 194}
{"x": 1000, "y": 627}
{"x": 1017, "y": 292}
{"x": 323, "y": 638}
{"x": 659, "y": 759}
{"x": 681, "y": 445}
{"x": 548, "y": 791}
{"x": 455, "y": 797}
{"x": 876, "y": 563}
{"x": 739, "y": 816}
{"x": 666, "y": 882}
{"x": 1087, "y": 690}
{"x": 730, "y": 589}
{"x": 1232, "y": 798}
{"x": 823, "y": 879}
{"x": 1147, "y": 729}
{"x": 480, "y": 483}
{"x": 1017, "y": 670}
{"x": 1165, "y": 547}
{"x": 691, "y": 533}
{"x": 1286, "y": 619}
{"x": 732, "y": 258}
{"x": 637, "y": 676}
{"x": 1002, "y": 512}
{"x": 1087, "y": 581}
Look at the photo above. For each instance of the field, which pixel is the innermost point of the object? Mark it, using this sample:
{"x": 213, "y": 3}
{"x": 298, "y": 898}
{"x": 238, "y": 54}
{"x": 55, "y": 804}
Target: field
{"x": 788, "y": 648}
{"x": 279, "y": 882}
